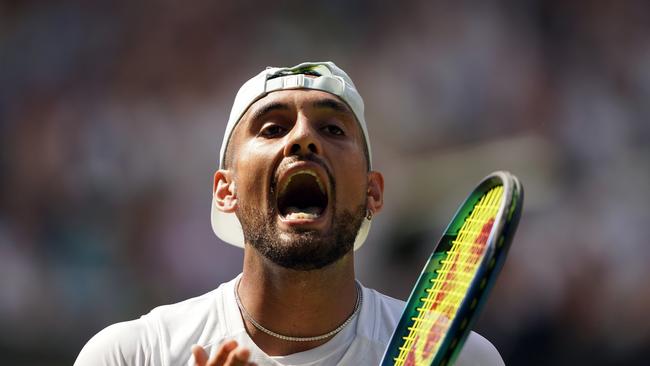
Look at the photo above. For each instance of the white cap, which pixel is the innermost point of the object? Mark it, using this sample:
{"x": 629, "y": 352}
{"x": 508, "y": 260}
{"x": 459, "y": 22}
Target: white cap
{"x": 325, "y": 76}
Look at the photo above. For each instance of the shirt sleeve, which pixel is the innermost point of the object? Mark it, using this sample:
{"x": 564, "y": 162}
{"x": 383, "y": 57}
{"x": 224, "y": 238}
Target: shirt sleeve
{"x": 478, "y": 351}
{"x": 121, "y": 344}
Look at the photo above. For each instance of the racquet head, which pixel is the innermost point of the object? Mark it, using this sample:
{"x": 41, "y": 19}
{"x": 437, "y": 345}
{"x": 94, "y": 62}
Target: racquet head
{"x": 458, "y": 276}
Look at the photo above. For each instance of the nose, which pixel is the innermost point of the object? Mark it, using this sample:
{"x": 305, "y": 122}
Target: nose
{"x": 302, "y": 139}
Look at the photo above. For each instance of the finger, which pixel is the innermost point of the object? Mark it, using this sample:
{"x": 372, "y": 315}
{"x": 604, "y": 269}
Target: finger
{"x": 238, "y": 357}
{"x": 200, "y": 357}
{"x": 219, "y": 359}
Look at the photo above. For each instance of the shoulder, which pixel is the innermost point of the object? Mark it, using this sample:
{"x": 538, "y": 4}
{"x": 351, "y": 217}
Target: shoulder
{"x": 189, "y": 311}
{"x": 378, "y": 318}
{"x": 384, "y": 310}
{"x": 120, "y": 344}
{"x": 162, "y": 336}
{"x": 383, "y": 305}
{"x": 478, "y": 351}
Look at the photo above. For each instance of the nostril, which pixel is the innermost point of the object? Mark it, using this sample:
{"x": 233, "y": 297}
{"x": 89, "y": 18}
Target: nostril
{"x": 295, "y": 148}
{"x": 312, "y": 148}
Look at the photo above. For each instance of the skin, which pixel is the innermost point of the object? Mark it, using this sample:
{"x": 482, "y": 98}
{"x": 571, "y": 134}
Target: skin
{"x": 273, "y": 137}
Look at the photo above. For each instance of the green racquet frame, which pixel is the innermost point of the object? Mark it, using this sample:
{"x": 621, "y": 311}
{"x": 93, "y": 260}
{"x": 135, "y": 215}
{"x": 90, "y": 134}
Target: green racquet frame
{"x": 457, "y": 278}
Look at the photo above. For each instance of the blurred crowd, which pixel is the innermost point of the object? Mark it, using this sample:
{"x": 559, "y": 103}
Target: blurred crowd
{"x": 112, "y": 112}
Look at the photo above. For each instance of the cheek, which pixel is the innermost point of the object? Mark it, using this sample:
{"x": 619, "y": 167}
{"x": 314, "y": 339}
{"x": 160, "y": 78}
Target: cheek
{"x": 352, "y": 180}
{"x": 252, "y": 174}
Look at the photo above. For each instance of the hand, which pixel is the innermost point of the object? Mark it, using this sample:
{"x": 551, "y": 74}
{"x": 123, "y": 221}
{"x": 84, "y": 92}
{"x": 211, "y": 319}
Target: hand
{"x": 228, "y": 354}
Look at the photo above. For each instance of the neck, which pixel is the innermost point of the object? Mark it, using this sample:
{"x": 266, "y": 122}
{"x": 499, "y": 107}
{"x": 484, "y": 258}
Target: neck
{"x": 295, "y": 303}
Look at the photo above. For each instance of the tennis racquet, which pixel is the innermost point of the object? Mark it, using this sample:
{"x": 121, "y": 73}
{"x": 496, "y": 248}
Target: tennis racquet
{"x": 457, "y": 278}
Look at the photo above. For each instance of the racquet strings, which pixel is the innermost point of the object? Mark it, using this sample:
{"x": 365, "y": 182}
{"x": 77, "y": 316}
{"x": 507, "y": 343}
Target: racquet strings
{"x": 447, "y": 290}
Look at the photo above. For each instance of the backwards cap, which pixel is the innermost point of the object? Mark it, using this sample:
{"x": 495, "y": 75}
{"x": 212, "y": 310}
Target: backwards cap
{"x": 324, "y": 76}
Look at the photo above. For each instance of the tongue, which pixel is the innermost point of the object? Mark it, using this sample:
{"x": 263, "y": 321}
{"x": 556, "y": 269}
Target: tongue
{"x": 303, "y": 213}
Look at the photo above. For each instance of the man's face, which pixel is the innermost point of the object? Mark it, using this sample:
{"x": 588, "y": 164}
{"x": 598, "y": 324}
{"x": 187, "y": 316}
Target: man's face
{"x": 301, "y": 176}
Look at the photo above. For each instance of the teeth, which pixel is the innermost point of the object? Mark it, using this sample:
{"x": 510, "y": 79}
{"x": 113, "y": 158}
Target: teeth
{"x": 286, "y": 182}
{"x": 309, "y": 213}
{"x": 301, "y": 216}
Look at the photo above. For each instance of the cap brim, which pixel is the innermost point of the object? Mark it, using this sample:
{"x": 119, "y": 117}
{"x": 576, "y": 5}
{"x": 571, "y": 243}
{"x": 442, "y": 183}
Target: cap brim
{"x": 226, "y": 226}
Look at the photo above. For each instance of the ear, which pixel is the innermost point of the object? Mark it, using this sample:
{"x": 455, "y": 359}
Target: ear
{"x": 375, "y": 198}
{"x": 224, "y": 191}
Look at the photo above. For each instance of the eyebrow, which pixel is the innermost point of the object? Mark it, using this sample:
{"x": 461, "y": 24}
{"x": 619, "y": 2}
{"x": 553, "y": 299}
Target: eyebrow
{"x": 332, "y": 104}
{"x": 268, "y": 108}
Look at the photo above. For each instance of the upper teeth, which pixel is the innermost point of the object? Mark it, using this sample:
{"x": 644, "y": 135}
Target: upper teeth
{"x": 288, "y": 180}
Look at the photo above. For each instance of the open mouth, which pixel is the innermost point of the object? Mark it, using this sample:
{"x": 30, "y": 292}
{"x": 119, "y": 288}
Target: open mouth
{"x": 302, "y": 196}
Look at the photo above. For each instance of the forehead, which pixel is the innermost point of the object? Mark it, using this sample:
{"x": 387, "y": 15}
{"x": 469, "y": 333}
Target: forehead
{"x": 302, "y": 99}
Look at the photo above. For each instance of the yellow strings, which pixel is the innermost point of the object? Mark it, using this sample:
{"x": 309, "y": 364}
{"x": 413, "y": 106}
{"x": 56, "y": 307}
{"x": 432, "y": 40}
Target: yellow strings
{"x": 444, "y": 298}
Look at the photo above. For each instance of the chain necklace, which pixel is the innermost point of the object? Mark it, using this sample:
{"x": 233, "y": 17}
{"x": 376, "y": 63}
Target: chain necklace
{"x": 357, "y": 307}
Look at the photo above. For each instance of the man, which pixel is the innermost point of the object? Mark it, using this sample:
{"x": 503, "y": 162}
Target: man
{"x": 296, "y": 190}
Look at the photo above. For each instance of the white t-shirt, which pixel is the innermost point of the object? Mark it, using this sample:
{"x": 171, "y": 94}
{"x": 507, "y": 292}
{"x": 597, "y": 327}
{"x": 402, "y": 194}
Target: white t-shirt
{"x": 164, "y": 337}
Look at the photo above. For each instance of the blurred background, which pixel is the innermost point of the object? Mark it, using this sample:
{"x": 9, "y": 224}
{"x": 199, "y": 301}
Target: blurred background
{"x": 112, "y": 113}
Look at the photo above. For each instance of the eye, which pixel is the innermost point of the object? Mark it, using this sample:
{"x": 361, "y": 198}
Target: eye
{"x": 272, "y": 130}
{"x": 334, "y": 130}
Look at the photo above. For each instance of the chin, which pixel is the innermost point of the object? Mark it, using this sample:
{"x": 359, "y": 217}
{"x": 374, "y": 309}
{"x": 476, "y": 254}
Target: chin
{"x": 305, "y": 250}
{"x": 301, "y": 248}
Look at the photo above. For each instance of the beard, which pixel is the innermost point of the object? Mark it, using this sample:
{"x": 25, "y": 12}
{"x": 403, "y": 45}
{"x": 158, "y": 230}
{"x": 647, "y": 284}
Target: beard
{"x": 302, "y": 250}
